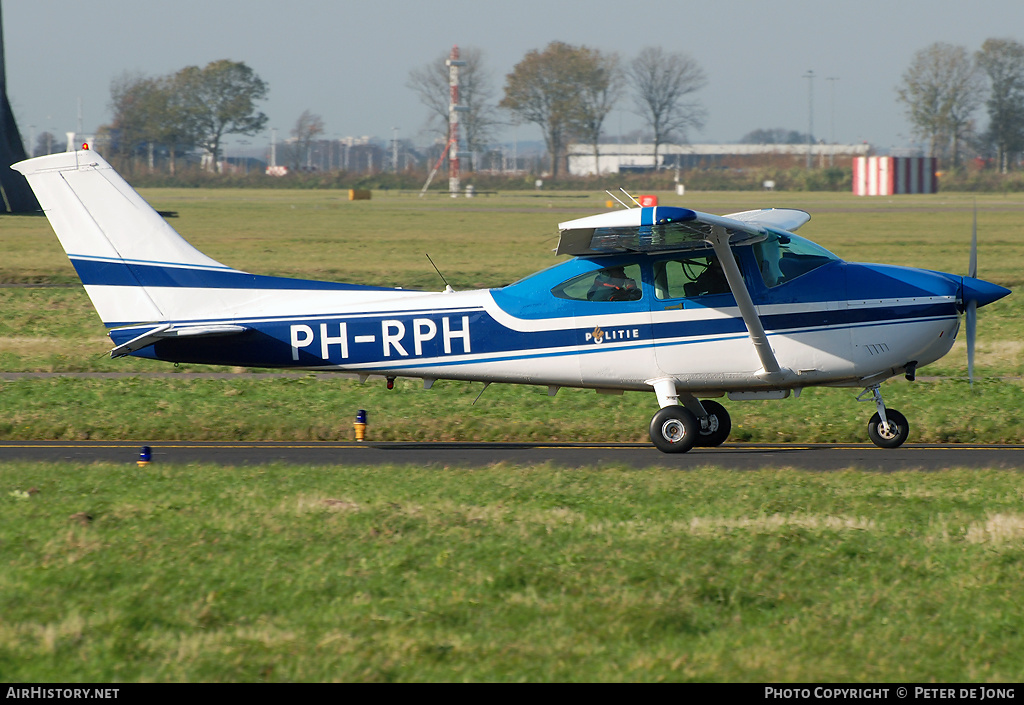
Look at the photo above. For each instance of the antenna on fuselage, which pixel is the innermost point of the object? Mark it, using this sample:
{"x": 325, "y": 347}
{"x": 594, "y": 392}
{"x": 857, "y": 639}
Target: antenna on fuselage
{"x": 447, "y": 286}
{"x": 486, "y": 385}
{"x": 620, "y": 202}
{"x": 631, "y": 197}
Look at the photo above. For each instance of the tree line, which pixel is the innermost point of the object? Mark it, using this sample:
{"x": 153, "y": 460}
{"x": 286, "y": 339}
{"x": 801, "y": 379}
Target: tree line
{"x": 945, "y": 85}
{"x": 192, "y": 108}
{"x": 568, "y": 91}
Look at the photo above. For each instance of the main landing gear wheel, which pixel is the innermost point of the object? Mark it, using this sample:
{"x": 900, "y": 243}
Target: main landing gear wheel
{"x": 895, "y": 435}
{"x": 718, "y": 428}
{"x": 674, "y": 429}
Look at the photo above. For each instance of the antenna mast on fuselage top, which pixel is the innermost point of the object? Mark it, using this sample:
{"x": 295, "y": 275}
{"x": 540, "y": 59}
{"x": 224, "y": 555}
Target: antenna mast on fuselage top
{"x": 617, "y": 199}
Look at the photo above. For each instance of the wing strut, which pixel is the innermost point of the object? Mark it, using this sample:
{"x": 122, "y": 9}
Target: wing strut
{"x": 771, "y": 370}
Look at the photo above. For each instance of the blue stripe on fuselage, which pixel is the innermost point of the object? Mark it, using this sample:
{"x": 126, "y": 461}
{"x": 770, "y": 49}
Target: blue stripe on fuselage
{"x": 121, "y": 273}
{"x": 391, "y": 339}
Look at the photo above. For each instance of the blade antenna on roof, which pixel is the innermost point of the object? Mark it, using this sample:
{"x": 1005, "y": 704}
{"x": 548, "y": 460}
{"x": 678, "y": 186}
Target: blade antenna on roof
{"x": 631, "y": 197}
{"x": 620, "y": 202}
{"x": 447, "y": 286}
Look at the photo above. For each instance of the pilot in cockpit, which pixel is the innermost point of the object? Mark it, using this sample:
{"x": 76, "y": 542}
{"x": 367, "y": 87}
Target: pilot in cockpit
{"x": 712, "y": 280}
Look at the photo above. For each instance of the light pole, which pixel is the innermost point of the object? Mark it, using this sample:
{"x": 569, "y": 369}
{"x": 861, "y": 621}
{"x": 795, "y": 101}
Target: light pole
{"x": 394, "y": 148}
{"x": 832, "y": 127}
{"x": 810, "y": 114}
{"x": 244, "y": 158}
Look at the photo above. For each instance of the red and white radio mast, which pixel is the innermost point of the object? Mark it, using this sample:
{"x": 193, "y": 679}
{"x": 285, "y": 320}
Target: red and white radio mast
{"x": 454, "y": 109}
{"x": 453, "y": 150}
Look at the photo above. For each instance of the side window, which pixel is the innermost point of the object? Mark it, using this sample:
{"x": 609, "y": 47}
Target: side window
{"x": 698, "y": 275}
{"x": 609, "y": 284}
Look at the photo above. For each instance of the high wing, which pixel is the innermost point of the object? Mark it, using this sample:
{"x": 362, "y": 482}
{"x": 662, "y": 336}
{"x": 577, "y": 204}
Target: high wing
{"x": 668, "y": 228}
{"x": 779, "y": 218}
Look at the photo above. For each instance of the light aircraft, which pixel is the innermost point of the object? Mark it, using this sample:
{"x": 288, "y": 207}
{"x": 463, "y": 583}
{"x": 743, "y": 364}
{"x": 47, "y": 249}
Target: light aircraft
{"x": 689, "y": 305}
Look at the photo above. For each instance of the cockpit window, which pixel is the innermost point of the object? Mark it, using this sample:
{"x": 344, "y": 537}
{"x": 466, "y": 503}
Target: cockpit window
{"x": 690, "y": 276}
{"x": 609, "y": 284}
{"x": 784, "y": 257}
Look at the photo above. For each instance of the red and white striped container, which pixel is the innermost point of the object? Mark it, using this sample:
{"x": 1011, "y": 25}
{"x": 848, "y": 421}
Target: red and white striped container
{"x": 886, "y": 176}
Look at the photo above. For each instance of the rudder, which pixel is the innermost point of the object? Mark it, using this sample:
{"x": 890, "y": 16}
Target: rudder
{"x": 109, "y": 233}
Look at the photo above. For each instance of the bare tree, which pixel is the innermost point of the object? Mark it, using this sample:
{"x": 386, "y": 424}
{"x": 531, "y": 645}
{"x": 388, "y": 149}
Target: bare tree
{"x": 476, "y": 95}
{"x": 941, "y": 89}
{"x": 1002, "y": 60}
{"x": 600, "y": 86}
{"x": 307, "y": 128}
{"x": 662, "y": 83}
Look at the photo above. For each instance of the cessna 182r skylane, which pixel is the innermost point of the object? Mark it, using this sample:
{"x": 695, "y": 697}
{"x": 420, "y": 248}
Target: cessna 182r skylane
{"x": 685, "y": 304}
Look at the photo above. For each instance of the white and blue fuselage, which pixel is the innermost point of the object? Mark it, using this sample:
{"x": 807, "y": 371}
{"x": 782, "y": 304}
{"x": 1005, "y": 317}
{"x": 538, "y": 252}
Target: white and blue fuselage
{"x": 840, "y": 333}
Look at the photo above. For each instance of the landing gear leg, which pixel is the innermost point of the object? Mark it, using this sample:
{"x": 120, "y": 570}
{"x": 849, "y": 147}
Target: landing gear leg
{"x": 674, "y": 429}
{"x": 888, "y": 428}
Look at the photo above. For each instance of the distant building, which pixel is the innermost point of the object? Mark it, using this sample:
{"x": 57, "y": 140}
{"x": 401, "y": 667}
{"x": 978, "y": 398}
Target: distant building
{"x": 619, "y": 158}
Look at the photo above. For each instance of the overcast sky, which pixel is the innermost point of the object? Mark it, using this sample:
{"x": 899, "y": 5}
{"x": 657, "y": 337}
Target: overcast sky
{"x": 349, "y": 61}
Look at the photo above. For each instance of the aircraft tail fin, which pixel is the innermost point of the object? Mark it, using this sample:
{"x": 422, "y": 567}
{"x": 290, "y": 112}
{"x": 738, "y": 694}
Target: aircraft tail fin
{"x": 112, "y": 236}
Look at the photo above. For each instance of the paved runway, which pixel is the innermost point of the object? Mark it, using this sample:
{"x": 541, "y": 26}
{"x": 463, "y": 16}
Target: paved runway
{"x": 735, "y": 456}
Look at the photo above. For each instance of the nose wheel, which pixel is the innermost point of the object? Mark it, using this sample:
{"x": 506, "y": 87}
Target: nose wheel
{"x": 891, "y": 435}
{"x": 888, "y": 428}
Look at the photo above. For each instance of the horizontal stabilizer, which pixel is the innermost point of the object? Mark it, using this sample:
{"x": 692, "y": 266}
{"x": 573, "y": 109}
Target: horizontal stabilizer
{"x": 168, "y": 330}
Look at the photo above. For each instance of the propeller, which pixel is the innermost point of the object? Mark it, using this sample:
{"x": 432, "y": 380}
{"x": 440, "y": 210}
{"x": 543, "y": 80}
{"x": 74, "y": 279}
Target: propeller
{"x": 975, "y": 293}
{"x": 972, "y": 303}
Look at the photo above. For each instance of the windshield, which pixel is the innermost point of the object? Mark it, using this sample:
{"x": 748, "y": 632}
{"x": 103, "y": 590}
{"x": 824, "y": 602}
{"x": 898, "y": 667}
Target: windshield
{"x": 784, "y": 257}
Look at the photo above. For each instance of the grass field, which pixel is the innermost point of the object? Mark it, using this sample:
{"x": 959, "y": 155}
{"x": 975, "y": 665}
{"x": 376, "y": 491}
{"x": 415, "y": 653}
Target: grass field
{"x": 204, "y": 573}
{"x": 303, "y": 573}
